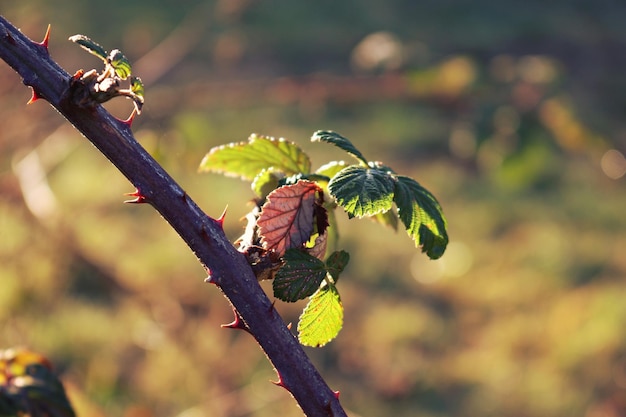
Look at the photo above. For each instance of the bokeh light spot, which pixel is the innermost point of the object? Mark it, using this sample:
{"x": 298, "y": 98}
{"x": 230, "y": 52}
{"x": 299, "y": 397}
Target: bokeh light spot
{"x": 613, "y": 164}
{"x": 457, "y": 260}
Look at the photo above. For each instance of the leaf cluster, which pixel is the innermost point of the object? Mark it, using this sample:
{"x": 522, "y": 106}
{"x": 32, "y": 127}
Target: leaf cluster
{"x": 107, "y": 85}
{"x": 289, "y": 234}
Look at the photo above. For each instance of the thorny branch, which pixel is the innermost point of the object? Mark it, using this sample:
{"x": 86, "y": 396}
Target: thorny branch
{"x": 204, "y": 235}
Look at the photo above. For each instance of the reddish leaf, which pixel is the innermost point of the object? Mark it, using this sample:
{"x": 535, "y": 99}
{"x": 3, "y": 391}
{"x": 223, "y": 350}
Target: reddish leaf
{"x": 319, "y": 247}
{"x": 287, "y": 217}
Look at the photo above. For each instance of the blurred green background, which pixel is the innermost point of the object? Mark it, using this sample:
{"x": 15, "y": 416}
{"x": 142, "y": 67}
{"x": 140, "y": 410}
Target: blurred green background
{"x": 511, "y": 113}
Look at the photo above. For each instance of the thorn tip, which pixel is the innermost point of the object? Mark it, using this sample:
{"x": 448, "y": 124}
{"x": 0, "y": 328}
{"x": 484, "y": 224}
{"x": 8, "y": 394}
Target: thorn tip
{"x": 220, "y": 219}
{"x": 237, "y": 323}
{"x": 34, "y": 97}
{"x": 139, "y": 198}
{"x": 129, "y": 122}
{"x": 280, "y": 382}
{"x": 46, "y": 38}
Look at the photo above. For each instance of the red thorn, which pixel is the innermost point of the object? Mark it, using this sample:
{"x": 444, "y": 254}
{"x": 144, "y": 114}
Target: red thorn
{"x": 280, "y": 382}
{"x": 34, "y": 97}
{"x": 289, "y": 325}
{"x": 139, "y": 198}
{"x": 129, "y": 122}
{"x": 220, "y": 219}
{"x": 336, "y": 393}
{"x": 46, "y": 38}
{"x": 211, "y": 279}
{"x": 237, "y": 323}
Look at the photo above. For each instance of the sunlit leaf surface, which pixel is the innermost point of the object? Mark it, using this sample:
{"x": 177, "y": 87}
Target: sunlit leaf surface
{"x": 286, "y": 219}
{"x": 247, "y": 159}
{"x": 90, "y": 46}
{"x": 339, "y": 141}
{"x": 322, "y": 318}
{"x": 422, "y": 216}
{"x": 362, "y": 191}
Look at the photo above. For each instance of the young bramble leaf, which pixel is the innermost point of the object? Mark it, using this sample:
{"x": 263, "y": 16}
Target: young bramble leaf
{"x": 91, "y": 46}
{"x": 339, "y": 141}
{"x": 300, "y": 277}
{"x": 247, "y": 159}
{"x": 422, "y": 216}
{"x": 265, "y": 182}
{"x": 331, "y": 169}
{"x": 120, "y": 64}
{"x": 136, "y": 86}
{"x": 336, "y": 263}
{"x": 362, "y": 191}
{"x": 287, "y": 218}
{"x": 322, "y": 318}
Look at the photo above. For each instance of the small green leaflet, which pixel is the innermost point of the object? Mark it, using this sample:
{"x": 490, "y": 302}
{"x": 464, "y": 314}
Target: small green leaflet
{"x": 120, "y": 64}
{"x": 331, "y": 169}
{"x": 300, "y": 277}
{"x": 303, "y": 273}
{"x": 422, "y": 216}
{"x": 322, "y": 318}
{"x": 247, "y": 159}
{"x": 339, "y": 141}
{"x": 265, "y": 182}
{"x": 90, "y": 46}
{"x": 362, "y": 191}
{"x": 136, "y": 86}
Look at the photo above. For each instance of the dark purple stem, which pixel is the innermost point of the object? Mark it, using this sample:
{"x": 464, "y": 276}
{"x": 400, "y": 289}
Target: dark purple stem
{"x": 204, "y": 235}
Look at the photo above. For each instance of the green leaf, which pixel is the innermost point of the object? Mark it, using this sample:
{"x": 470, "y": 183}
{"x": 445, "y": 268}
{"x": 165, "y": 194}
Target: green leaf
{"x": 331, "y": 169}
{"x": 120, "y": 64}
{"x": 136, "y": 86}
{"x": 90, "y": 46}
{"x": 322, "y": 318}
{"x": 339, "y": 141}
{"x": 265, "y": 182}
{"x": 422, "y": 216}
{"x": 300, "y": 277}
{"x": 362, "y": 191}
{"x": 248, "y": 159}
{"x": 336, "y": 263}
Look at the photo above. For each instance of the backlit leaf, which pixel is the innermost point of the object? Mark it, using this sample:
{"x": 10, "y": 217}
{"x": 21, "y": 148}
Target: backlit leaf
{"x": 339, "y": 141}
{"x": 322, "y": 318}
{"x": 120, "y": 64}
{"x": 287, "y": 218}
{"x": 91, "y": 46}
{"x": 331, "y": 169}
{"x": 362, "y": 191}
{"x": 136, "y": 86}
{"x": 318, "y": 245}
{"x": 248, "y": 159}
{"x": 265, "y": 182}
{"x": 422, "y": 216}
{"x": 300, "y": 277}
